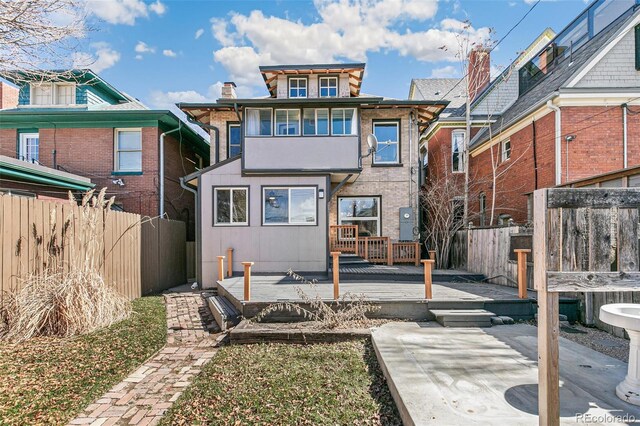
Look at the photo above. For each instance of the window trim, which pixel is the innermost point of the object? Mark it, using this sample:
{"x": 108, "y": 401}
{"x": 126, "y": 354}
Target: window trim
{"x": 246, "y": 124}
{"x": 399, "y": 143}
{"x": 329, "y": 77}
{"x": 380, "y": 210}
{"x": 461, "y": 152}
{"x": 116, "y": 165}
{"x": 503, "y": 153}
{"x": 275, "y": 122}
{"x": 306, "y": 87}
{"x": 264, "y": 188}
{"x": 22, "y": 136}
{"x": 214, "y": 199}
{"x": 354, "y": 118}
{"x": 315, "y": 117}
{"x": 231, "y": 124}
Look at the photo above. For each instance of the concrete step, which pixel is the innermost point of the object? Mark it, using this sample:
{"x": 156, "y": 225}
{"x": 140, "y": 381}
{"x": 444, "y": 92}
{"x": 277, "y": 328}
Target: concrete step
{"x": 352, "y": 260}
{"x": 225, "y": 314}
{"x": 463, "y": 317}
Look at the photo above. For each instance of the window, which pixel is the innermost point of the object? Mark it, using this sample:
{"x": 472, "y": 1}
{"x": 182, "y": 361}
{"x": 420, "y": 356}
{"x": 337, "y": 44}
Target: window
{"x": 258, "y": 121}
{"x": 233, "y": 140}
{"x": 41, "y": 94}
{"x": 128, "y": 150}
{"x": 483, "y": 209}
{"x": 328, "y": 87}
{"x": 65, "y": 94}
{"x": 637, "y": 37}
{"x": 53, "y": 94}
{"x": 343, "y": 121}
{"x": 231, "y": 206}
{"x": 388, "y": 137}
{"x": 506, "y": 150}
{"x": 289, "y": 206}
{"x": 361, "y": 211}
{"x": 315, "y": 122}
{"x": 29, "y": 149}
{"x": 297, "y": 87}
{"x": 505, "y": 220}
{"x": 288, "y": 122}
{"x": 457, "y": 151}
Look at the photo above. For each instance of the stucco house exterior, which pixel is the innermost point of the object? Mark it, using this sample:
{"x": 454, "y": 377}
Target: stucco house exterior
{"x": 293, "y": 168}
{"x": 81, "y": 125}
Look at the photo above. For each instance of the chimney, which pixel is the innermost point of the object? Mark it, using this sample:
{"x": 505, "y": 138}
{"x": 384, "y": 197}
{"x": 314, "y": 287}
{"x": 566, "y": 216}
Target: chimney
{"x": 8, "y": 96}
{"x": 479, "y": 72}
{"x": 229, "y": 90}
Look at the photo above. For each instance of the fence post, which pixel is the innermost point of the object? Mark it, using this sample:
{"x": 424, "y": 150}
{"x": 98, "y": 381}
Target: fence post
{"x": 432, "y": 254}
{"x": 230, "y": 261}
{"x": 428, "y": 264}
{"x": 220, "y": 268}
{"x": 389, "y": 252}
{"x": 357, "y": 246}
{"x": 247, "y": 280}
{"x": 416, "y": 254}
{"x": 522, "y": 272}
{"x": 336, "y": 274}
{"x": 366, "y": 248}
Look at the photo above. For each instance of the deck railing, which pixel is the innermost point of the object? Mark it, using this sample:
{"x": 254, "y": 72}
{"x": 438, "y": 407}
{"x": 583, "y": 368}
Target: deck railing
{"x": 344, "y": 238}
{"x": 407, "y": 252}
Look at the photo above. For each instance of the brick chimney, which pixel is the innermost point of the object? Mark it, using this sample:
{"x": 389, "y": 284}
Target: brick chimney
{"x": 8, "y": 96}
{"x": 479, "y": 70}
{"x": 229, "y": 90}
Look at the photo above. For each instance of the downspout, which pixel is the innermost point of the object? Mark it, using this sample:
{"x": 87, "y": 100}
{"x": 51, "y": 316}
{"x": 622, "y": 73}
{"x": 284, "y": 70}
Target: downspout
{"x": 216, "y": 138}
{"x": 624, "y": 136}
{"x": 558, "y": 137}
{"x": 162, "y": 166}
{"x": 184, "y": 185}
{"x": 410, "y": 117}
{"x": 535, "y": 156}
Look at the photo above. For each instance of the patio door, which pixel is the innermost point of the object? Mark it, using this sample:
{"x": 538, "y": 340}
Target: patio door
{"x": 29, "y": 149}
{"x": 361, "y": 211}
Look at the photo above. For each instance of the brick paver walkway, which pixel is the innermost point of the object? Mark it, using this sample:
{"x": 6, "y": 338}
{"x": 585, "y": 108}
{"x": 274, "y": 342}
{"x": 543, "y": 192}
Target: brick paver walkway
{"x": 144, "y": 396}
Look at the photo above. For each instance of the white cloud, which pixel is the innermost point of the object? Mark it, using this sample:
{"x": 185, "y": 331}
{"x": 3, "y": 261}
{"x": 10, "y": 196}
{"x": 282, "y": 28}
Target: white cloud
{"x": 199, "y": 33}
{"x": 169, "y": 53}
{"x": 448, "y": 71}
{"x": 165, "y": 100}
{"x": 139, "y": 57}
{"x": 143, "y": 47}
{"x": 103, "y": 58}
{"x": 347, "y": 30}
{"x": 124, "y": 11}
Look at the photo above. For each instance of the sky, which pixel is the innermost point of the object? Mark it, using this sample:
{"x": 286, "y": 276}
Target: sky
{"x": 167, "y": 51}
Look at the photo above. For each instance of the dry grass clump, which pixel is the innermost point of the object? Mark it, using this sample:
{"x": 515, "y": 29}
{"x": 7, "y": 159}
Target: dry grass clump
{"x": 349, "y": 311}
{"x": 65, "y": 294}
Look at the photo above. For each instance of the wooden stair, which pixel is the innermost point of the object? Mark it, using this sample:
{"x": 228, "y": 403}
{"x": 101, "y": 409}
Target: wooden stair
{"x": 225, "y": 314}
{"x": 463, "y": 317}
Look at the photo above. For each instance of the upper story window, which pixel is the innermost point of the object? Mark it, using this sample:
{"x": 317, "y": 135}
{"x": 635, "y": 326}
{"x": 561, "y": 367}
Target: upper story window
{"x": 343, "y": 121}
{"x": 288, "y": 122}
{"x": 29, "y": 149}
{"x": 328, "y": 87}
{"x": 315, "y": 121}
{"x": 41, "y": 94}
{"x": 457, "y": 151}
{"x": 233, "y": 140}
{"x": 297, "y": 87}
{"x": 388, "y": 135}
{"x": 506, "y": 150}
{"x": 128, "y": 150}
{"x": 258, "y": 121}
{"x": 53, "y": 94}
{"x": 64, "y": 94}
{"x": 483, "y": 209}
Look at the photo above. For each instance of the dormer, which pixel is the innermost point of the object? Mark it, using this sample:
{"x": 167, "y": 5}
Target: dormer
{"x": 313, "y": 81}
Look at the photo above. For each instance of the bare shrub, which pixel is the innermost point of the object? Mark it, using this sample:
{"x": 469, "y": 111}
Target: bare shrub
{"x": 349, "y": 311}
{"x": 65, "y": 294}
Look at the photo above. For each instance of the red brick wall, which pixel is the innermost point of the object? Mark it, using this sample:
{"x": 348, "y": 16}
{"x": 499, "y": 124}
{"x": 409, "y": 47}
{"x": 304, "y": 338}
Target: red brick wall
{"x": 8, "y": 96}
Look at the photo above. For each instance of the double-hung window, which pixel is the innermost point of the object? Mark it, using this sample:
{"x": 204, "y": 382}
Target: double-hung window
{"x": 41, "y": 94}
{"x": 388, "y": 135}
{"x": 457, "y": 151}
{"x": 315, "y": 122}
{"x": 328, "y": 87}
{"x": 289, "y": 206}
{"x": 258, "y": 121}
{"x": 64, "y": 94}
{"x": 297, "y": 87}
{"x": 53, "y": 94}
{"x": 128, "y": 150}
{"x": 506, "y": 150}
{"x": 29, "y": 149}
{"x": 230, "y": 206}
{"x": 361, "y": 211}
{"x": 343, "y": 121}
{"x": 288, "y": 122}
{"x": 233, "y": 140}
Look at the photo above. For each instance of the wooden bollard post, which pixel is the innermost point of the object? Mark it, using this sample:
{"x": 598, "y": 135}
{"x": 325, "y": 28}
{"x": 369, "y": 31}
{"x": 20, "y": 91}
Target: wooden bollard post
{"x": 428, "y": 265}
{"x": 220, "y": 268}
{"x": 522, "y": 272}
{"x": 336, "y": 274}
{"x": 432, "y": 254}
{"x": 229, "y": 262}
{"x": 247, "y": 280}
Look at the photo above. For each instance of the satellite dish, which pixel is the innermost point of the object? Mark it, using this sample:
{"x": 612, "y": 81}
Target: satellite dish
{"x": 372, "y": 141}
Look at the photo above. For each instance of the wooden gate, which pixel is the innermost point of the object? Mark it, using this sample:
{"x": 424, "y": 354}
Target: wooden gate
{"x": 585, "y": 240}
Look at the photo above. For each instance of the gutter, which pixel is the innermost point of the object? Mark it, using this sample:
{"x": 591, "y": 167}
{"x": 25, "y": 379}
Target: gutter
{"x": 162, "y": 166}
{"x": 208, "y": 127}
{"x": 187, "y": 187}
{"x": 558, "y": 137}
{"x": 44, "y": 180}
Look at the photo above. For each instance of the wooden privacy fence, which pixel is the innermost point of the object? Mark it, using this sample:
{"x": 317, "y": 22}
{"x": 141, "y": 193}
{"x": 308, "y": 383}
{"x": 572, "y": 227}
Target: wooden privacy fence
{"x": 345, "y": 239}
{"x": 585, "y": 240}
{"x": 164, "y": 255}
{"x": 25, "y": 221}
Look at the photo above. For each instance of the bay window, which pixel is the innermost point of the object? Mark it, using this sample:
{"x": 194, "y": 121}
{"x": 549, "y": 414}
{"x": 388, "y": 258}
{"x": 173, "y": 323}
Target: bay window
{"x": 315, "y": 122}
{"x": 361, "y": 211}
{"x": 258, "y": 121}
{"x": 289, "y": 206}
{"x": 388, "y": 135}
{"x": 230, "y": 206}
{"x": 288, "y": 122}
{"x": 343, "y": 121}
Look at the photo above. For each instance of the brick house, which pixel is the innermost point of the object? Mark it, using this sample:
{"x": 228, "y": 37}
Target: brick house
{"x": 82, "y": 125}
{"x": 295, "y": 167}
{"x": 566, "y": 112}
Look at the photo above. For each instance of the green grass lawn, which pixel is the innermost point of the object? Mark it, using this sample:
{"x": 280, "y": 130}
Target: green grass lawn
{"x": 338, "y": 383}
{"x": 48, "y": 381}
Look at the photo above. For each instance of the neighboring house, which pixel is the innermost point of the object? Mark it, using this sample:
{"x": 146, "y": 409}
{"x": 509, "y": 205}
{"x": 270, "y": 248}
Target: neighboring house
{"x": 295, "y": 165}
{"x": 574, "y": 115}
{"x": 84, "y": 126}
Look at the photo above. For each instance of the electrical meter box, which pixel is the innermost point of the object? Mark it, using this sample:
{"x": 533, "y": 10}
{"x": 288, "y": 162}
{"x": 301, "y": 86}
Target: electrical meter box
{"x": 407, "y": 222}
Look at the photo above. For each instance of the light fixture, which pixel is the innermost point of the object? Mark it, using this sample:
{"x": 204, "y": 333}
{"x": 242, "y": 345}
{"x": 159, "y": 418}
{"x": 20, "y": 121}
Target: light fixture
{"x": 118, "y": 182}
{"x": 321, "y": 193}
{"x": 570, "y": 138}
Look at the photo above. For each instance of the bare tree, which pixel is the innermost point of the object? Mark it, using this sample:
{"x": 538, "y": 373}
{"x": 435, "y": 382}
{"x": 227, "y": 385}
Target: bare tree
{"x": 38, "y": 37}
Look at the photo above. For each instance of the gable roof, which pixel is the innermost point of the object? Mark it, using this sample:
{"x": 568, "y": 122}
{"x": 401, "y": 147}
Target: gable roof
{"x": 270, "y": 74}
{"x": 448, "y": 89}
